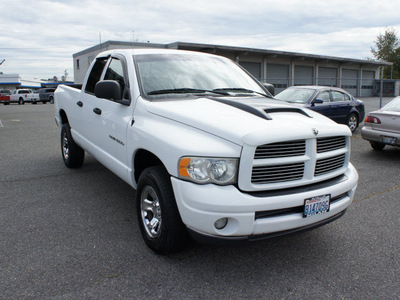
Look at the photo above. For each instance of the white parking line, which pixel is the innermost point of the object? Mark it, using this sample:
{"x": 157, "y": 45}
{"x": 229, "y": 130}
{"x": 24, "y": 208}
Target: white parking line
{"x": 1, "y": 124}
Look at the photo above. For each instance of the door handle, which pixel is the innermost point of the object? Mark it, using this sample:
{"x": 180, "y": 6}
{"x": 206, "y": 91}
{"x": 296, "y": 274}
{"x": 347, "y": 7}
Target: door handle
{"x": 79, "y": 103}
{"x": 97, "y": 111}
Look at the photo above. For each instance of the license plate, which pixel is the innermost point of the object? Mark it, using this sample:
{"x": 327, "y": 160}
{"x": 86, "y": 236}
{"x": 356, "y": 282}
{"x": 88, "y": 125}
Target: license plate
{"x": 389, "y": 140}
{"x": 316, "y": 206}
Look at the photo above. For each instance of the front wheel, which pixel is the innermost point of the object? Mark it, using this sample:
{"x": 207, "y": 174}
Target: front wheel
{"x": 72, "y": 154}
{"x": 21, "y": 101}
{"x": 352, "y": 122}
{"x": 159, "y": 220}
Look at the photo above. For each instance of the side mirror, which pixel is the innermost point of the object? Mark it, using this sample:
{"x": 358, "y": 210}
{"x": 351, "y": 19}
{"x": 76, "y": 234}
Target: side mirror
{"x": 270, "y": 88}
{"x": 108, "y": 89}
{"x": 317, "y": 101}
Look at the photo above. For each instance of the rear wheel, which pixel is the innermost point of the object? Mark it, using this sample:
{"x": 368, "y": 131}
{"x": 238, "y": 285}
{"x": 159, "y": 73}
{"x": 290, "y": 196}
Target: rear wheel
{"x": 159, "y": 220}
{"x": 377, "y": 146}
{"x": 72, "y": 154}
{"x": 352, "y": 122}
{"x": 51, "y": 99}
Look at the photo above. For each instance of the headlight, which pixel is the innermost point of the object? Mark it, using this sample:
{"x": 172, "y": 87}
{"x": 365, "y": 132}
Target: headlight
{"x": 208, "y": 170}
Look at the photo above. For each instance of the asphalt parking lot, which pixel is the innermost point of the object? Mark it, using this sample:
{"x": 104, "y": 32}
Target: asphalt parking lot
{"x": 73, "y": 234}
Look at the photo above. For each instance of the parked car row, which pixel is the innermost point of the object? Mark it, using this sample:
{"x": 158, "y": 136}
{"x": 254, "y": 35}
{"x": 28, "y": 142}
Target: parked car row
{"x": 381, "y": 127}
{"x": 23, "y": 96}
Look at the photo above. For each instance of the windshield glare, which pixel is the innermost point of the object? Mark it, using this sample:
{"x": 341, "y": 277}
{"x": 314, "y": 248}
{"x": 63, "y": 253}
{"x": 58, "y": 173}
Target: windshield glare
{"x": 295, "y": 95}
{"x": 393, "y": 105}
{"x": 190, "y": 71}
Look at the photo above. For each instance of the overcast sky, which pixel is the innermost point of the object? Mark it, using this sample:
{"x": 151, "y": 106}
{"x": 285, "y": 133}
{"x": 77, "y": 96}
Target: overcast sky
{"x": 38, "y": 38}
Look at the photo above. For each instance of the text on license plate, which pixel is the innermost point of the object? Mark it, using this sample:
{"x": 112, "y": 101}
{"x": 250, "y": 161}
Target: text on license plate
{"x": 316, "y": 205}
{"x": 389, "y": 140}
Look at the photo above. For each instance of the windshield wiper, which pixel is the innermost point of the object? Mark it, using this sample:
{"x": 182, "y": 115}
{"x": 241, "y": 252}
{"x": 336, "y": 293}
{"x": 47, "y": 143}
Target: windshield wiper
{"x": 187, "y": 91}
{"x": 242, "y": 90}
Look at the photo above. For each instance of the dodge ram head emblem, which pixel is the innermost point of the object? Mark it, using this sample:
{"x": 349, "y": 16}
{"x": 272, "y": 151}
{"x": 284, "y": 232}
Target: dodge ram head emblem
{"x": 315, "y": 131}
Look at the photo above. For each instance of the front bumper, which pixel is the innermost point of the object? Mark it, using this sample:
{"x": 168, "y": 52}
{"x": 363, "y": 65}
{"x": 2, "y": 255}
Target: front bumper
{"x": 257, "y": 215}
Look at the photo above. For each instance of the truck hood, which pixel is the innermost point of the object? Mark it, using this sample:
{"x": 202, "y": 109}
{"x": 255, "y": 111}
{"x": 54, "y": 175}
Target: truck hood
{"x": 248, "y": 120}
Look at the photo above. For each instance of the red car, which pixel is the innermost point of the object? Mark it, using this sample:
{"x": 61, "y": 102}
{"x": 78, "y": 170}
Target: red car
{"x": 5, "y": 96}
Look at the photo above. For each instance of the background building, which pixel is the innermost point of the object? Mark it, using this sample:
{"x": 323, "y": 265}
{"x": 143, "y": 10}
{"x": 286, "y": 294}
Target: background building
{"x": 14, "y": 82}
{"x": 282, "y": 69}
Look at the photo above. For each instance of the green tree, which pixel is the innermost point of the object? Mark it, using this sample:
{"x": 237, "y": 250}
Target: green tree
{"x": 387, "y": 48}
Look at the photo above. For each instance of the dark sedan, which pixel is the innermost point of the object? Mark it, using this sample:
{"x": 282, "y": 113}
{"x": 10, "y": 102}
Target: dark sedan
{"x": 335, "y": 103}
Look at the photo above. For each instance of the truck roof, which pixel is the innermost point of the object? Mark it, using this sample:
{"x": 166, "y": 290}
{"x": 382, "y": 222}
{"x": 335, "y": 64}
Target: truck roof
{"x": 140, "y": 51}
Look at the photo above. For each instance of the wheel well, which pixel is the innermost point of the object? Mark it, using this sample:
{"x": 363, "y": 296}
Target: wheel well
{"x": 355, "y": 113}
{"x": 63, "y": 117}
{"x": 143, "y": 160}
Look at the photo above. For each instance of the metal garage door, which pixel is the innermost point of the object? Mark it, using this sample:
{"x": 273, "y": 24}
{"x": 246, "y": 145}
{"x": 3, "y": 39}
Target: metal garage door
{"x": 278, "y": 75}
{"x": 253, "y": 67}
{"x": 349, "y": 81}
{"x": 327, "y": 76}
{"x": 303, "y": 75}
{"x": 367, "y": 83}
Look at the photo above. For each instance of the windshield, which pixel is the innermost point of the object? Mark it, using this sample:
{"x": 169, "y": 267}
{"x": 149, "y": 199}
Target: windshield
{"x": 295, "y": 95}
{"x": 393, "y": 105}
{"x": 168, "y": 74}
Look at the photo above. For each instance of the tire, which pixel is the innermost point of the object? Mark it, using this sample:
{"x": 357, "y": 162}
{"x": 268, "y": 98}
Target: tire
{"x": 160, "y": 223}
{"x": 73, "y": 155}
{"x": 21, "y": 101}
{"x": 377, "y": 146}
{"x": 352, "y": 122}
{"x": 51, "y": 100}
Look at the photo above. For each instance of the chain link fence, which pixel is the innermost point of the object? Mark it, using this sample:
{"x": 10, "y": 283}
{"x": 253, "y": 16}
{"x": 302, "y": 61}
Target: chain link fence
{"x": 358, "y": 87}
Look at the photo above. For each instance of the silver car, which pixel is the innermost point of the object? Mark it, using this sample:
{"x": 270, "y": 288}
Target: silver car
{"x": 382, "y": 127}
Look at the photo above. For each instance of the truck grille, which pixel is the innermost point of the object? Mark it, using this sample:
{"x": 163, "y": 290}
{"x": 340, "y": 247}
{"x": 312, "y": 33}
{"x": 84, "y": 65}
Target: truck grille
{"x": 280, "y": 173}
{"x": 283, "y": 149}
{"x": 327, "y": 165}
{"x": 298, "y": 161}
{"x": 330, "y": 143}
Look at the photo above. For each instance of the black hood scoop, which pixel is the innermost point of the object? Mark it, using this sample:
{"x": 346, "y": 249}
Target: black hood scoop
{"x": 286, "y": 109}
{"x": 261, "y": 112}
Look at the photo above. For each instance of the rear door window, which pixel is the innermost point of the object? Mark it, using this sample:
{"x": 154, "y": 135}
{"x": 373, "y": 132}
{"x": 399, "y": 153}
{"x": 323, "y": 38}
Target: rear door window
{"x": 338, "y": 96}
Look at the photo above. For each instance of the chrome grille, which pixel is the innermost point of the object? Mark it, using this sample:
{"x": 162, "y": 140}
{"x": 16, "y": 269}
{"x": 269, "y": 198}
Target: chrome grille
{"x": 328, "y": 165}
{"x": 297, "y": 162}
{"x": 279, "y": 173}
{"x": 282, "y": 149}
{"x": 330, "y": 143}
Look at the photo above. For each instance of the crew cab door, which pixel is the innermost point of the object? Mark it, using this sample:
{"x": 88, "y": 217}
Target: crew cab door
{"x": 107, "y": 120}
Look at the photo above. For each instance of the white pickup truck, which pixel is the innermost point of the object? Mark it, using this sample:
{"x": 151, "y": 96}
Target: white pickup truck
{"x": 210, "y": 153}
{"x": 24, "y": 95}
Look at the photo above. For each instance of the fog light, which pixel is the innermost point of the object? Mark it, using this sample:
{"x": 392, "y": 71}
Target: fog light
{"x": 221, "y": 223}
